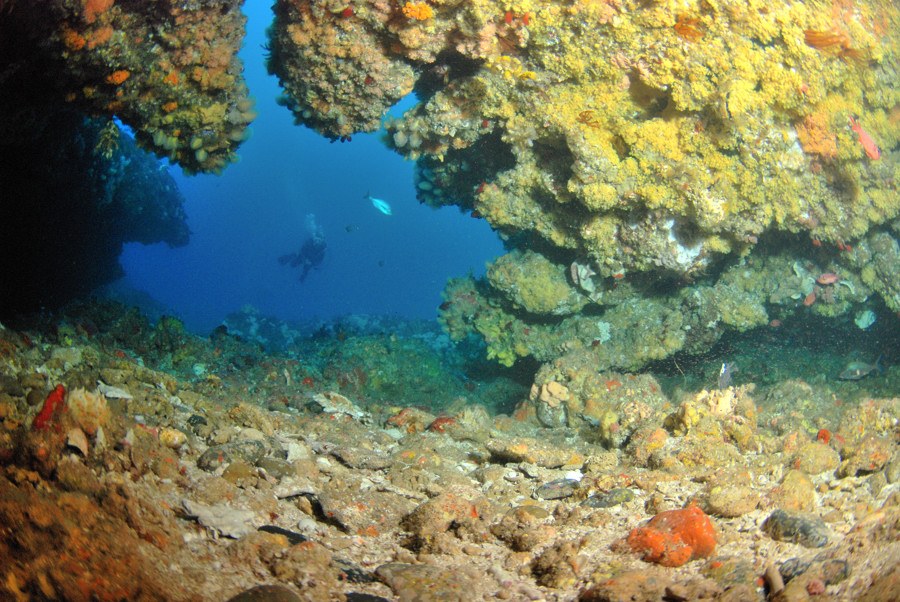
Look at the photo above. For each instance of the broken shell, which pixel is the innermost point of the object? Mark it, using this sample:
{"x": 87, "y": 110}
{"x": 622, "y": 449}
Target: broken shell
{"x": 100, "y": 440}
{"x": 76, "y": 439}
{"x": 172, "y": 438}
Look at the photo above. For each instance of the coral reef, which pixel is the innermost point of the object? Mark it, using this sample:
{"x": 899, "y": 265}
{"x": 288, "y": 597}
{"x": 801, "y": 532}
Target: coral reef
{"x": 654, "y": 168}
{"x": 334, "y": 63}
{"x": 167, "y": 69}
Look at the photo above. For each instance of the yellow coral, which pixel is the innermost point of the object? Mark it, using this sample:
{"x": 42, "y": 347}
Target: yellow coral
{"x": 419, "y": 11}
{"x": 815, "y": 137}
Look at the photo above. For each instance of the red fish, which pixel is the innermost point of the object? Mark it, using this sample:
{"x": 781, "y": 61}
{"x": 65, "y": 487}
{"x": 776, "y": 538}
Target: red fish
{"x": 872, "y": 150}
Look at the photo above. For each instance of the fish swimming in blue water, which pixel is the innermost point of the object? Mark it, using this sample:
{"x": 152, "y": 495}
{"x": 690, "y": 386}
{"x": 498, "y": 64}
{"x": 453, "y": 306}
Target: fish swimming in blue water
{"x": 382, "y": 206}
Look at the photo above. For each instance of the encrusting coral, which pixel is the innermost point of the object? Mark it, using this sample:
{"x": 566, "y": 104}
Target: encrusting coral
{"x": 167, "y": 69}
{"x": 651, "y": 146}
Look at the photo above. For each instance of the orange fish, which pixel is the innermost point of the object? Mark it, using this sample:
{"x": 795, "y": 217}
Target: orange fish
{"x": 872, "y": 150}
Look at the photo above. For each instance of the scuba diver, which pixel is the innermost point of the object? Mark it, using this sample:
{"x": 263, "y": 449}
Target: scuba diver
{"x": 311, "y": 254}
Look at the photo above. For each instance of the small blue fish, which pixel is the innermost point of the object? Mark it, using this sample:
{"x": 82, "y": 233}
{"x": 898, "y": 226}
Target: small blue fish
{"x": 382, "y": 206}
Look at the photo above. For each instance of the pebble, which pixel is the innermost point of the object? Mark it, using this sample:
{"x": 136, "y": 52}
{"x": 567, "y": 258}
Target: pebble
{"x": 613, "y": 497}
{"x": 219, "y": 455}
{"x": 533, "y": 451}
{"x": 731, "y": 501}
{"x": 267, "y": 593}
{"x": 831, "y": 570}
{"x": 556, "y": 490}
{"x": 425, "y": 583}
{"x": 796, "y": 492}
{"x": 330, "y": 402}
{"x": 172, "y": 438}
{"x": 197, "y": 420}
{"x": 292, "y": 536}
{"x": 355, "y": 457}
{"x": 808, "y": 531}
{"x": 816, "y": 457}
{"x": 225, "y": 520}
{"x": 866, "y": 456}
{"x": 362, "y": 597}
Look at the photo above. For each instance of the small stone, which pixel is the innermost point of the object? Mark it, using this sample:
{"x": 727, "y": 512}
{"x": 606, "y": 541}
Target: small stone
{"x": 428, "y": 583}
{"x": 330, "y": 402}
{"x": 267, "y": 593}
{"x": 238, "y": 471}
{"x": 533, "y": 451}
{"x": 196, "y": 420}
{"x": 100, "y": 443}
{"x": 613, "y": 497}
{"x": 816, "y": 458}
{"x": 292, "y": 536}
{"x": 556, "y": 490}
{"x": 222, "y": 518}
{"x": 864, "y": 457}
{"x": 172, "y": 438}
{"x": 808, "y": 531}
{"x": 731, "y": 501}
{"x": 356, "y": 457}
{"x": 220, "y": 455}
{"x": 796, "y": 492}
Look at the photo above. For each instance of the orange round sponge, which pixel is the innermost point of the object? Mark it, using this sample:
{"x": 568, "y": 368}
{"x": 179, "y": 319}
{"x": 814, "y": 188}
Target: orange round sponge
{"x": 675, "y": 537}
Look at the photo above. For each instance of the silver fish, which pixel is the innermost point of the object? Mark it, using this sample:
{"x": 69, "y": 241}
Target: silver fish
{"x": 382, "y": 206}
{"x": 860, "y": 370}
{"x": 725, "y": 372}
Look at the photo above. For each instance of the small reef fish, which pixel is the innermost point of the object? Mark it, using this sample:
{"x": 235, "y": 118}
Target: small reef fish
{"x": 860, "y": 370}
{"x": 872, "y": 150}
{"x": 382, "y": 206}
{"x": 725, "y": 372}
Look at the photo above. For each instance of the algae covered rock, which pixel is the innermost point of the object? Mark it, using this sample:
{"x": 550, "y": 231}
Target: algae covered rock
{"x": 167, "y": 69}
{"x": 635, "y": 166}
{"x": 534, "y": 284}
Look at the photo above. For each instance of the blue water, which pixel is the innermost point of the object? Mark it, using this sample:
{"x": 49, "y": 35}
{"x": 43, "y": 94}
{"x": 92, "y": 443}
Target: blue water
{"x": 255, "y": 212}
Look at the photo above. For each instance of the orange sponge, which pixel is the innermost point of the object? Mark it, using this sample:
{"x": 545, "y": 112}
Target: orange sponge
{"x": 675, "y": 537}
